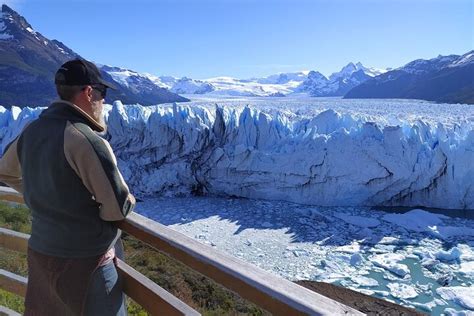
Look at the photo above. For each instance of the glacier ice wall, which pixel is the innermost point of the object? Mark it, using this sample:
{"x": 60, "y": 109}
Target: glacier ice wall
{"x": 329, "y": 159}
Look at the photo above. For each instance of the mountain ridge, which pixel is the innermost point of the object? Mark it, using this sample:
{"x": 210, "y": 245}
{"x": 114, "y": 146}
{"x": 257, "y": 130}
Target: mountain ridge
{"x": 447, "y": 79}
{"x": 28, "y": 62}
{"x": 311, "y": 82}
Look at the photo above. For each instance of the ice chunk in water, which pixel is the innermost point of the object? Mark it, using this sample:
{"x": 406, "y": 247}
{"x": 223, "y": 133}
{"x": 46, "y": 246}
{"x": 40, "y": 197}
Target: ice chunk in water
{"x": 463, "y": 296}
{"x": 401, "y": 290}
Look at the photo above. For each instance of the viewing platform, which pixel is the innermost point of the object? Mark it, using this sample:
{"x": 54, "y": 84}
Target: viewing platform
{"x": 268, "y": 291}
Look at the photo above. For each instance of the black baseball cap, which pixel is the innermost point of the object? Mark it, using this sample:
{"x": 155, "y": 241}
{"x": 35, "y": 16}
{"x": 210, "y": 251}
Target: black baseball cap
{"x": 80, "y": 72}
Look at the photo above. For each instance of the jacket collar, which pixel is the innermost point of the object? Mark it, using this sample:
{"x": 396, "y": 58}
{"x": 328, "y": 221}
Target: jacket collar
{"x": 66, "y": 110}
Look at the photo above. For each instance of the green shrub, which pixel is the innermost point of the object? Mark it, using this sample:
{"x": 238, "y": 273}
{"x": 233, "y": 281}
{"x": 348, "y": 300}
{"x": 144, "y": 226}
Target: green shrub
{"x": 12, "y": 301}
{"x": 15, "y": 217}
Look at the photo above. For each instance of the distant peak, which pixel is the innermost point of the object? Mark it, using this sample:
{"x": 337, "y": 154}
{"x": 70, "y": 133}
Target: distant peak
{"x": 314, "y": 73}
{"x": 316, "y": 76}
{"x": 16, "y": 18}
{"x": 349, "y": 65}
{"x": 7, "y": 9}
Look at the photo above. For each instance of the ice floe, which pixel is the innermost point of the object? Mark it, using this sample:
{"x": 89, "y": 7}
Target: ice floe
{"x": 403, "y": 291}
{"x": 451, "y": 255}
{"x": 364, "y": 281}
{"x": 467, "y": 268}
{"x": 307, "y": 242}
{"x": 390, "y": 262}
{"x": 416, "y": 220}
{"x": 463, "y": 296}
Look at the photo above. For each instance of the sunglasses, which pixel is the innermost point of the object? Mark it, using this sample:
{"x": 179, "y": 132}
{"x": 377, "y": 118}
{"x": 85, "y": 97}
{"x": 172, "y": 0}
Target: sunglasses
{"x": 102, "y": 90}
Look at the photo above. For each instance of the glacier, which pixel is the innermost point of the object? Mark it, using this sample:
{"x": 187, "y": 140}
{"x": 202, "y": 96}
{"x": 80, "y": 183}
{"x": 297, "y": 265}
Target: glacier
{"x": 324, "y": 159}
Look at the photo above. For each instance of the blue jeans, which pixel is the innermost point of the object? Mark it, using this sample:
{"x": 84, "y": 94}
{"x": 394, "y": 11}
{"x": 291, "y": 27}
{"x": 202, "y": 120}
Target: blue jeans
{"x": 105, "y": 296}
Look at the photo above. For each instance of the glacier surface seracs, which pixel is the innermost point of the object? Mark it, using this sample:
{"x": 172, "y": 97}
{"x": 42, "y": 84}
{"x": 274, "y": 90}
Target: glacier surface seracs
{"x": 329, "y": 159}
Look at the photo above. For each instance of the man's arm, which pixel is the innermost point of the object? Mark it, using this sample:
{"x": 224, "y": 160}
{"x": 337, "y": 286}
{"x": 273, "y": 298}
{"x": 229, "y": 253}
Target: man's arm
{"x": 10, "y": 168}
{"x": 93, "y": 160}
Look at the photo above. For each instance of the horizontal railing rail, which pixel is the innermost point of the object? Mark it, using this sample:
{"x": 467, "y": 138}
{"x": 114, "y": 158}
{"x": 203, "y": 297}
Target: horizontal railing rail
{"x": 13, "y": 283}
{"x": 8, "y": 312}
{"x": 270, "y": 292}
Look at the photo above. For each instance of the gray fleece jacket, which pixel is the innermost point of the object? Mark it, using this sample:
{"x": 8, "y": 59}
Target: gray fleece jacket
{"x": 69, "y": 179}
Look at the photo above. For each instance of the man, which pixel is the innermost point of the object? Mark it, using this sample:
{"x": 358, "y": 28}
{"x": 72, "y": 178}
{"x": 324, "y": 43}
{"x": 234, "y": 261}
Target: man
{"x": 69, "y": 179}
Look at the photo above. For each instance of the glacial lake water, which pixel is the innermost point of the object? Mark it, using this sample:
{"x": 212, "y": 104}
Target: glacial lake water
{"x": 360, "y": 248}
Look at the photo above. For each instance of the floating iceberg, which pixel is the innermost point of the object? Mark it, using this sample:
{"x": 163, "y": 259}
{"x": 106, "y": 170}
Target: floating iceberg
{"x": 389, "y": 261}
{"x": 463, "y": 296}
{"x": 416, "y": 220}
{"x": 400, "y": 290}
{"x": 452, "y": 255}
{"x": 328, "y": 159}
{"x": 364, "y": 281}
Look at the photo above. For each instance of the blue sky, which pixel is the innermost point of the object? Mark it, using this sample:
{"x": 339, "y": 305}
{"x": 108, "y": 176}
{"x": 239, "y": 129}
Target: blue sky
{"x": 246, "y": 38}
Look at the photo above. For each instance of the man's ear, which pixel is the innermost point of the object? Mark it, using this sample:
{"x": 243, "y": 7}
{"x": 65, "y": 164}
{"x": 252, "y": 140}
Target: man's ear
{"x": 88, "y": 92}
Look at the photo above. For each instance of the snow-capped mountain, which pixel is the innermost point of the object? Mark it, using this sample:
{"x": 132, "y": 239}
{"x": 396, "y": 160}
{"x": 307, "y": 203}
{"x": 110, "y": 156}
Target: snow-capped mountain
{"x": 312, "y": 83}
{"x": 283, "y": 78}
{"x": 442, "y": 79}
{"x": 275, "y": 85}
{"x": 338, "y": 83}
{"x": 316, "y": 84}
{"x": 423, "y": 66}
{"x": 249, "y": 87}
{"x": 190, "y": 86}
{"x": 28, "y": 62}
{"x": 464, "y": 60}
{"x": 140, "y": 88}
{"x": 126, "y": 77}
{"x": 351, "y": 68}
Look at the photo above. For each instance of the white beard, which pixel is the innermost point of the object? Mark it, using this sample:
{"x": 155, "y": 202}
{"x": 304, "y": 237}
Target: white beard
{"x": 98, "y": 113}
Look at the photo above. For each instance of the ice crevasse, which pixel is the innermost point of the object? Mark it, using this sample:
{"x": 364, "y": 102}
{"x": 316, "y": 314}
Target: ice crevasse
{"x": 329, "y": 159}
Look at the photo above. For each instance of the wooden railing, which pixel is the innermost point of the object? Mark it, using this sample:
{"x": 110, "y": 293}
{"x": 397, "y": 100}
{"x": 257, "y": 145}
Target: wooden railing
{"x": 270, "y": 292}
